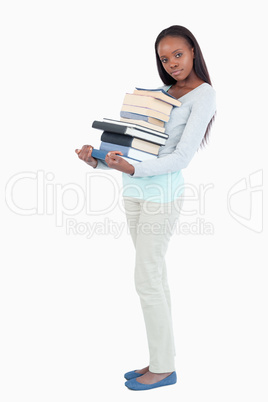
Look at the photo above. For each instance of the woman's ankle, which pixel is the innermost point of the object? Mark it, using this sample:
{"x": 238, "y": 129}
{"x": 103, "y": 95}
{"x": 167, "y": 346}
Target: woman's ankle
{"x": 143, "y": 371}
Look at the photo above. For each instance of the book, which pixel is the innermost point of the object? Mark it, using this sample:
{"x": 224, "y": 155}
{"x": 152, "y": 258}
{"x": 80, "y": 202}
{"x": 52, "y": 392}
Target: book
{"x": 137, "y": 126}
{"x": 133, "y": 130}
{"x": 135, "y": 116}
{"x": 140, "y": 131}
{"x": 143, "y": 124}
{"x": 101, "y": 154}
{"x": 98, "y": 154}
{"x": 158, "y": 93}
{"x": 128, "y": 141}
{"x": 145, "y": 111}
{"x": 147, "y": 102}
{"x": 127, "y": 151}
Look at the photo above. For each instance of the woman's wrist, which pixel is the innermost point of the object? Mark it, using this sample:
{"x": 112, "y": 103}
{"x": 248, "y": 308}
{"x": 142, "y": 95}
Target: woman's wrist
{"x": 131, "y": 170}
{"x": 93, "y": 164}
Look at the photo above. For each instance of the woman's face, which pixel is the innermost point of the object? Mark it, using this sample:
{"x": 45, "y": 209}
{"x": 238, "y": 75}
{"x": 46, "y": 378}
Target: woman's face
{"x": 177, "y": 57}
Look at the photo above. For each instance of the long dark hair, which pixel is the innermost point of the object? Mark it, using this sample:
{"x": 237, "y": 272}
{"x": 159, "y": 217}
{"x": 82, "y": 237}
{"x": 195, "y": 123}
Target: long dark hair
{"x": 199, "y": 65}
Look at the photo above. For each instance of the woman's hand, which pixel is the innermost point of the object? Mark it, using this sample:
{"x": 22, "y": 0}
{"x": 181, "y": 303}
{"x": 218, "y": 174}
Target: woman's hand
{"x": 114, "y": 161}
{"x": 85, "y": 154}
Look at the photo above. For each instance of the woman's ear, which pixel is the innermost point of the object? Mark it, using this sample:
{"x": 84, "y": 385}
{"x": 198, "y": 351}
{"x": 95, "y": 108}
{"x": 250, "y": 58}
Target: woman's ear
{"x": 193, "y": 53}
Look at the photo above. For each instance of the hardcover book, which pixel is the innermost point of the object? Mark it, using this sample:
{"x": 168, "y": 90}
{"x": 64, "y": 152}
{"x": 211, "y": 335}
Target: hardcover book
{"x": 145, "y": 111}
{"x": 147, "y": 102}
{"x": 101, "y": 154}
{"x": 150, "y": 120}
{"x": 128, "y": 141}
{"x": 133, "y": 130}
{"x": 158, "y": 93}
{"x": 127, "y": 151}
{"x": 143, "y": 124}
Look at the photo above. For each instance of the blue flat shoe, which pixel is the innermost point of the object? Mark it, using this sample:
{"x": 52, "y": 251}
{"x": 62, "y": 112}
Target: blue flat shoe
{"x": 136, "y": 386}
{"x": 131, "y": 375}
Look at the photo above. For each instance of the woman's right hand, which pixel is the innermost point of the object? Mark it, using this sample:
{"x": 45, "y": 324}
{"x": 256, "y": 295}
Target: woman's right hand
{"x": 85, "y": 154}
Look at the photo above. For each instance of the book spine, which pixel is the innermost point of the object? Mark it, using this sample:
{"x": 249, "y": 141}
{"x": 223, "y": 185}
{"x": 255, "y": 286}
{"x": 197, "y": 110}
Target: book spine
{"x": 98, "y": 154}
{"x": 124, "y": 140}
{"x": 115, "y": 128}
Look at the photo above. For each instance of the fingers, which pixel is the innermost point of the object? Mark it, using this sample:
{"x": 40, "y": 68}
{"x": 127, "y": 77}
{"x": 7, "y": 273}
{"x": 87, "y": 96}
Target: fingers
{"x": 112, "y": 153}
{"x": 85, "y": 153}
{"x": 113, "y": 159}
{"x": 112, "y": 156}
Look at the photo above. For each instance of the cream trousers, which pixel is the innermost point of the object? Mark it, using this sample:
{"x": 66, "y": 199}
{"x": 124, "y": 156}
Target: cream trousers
{"x": 151, "y": 226}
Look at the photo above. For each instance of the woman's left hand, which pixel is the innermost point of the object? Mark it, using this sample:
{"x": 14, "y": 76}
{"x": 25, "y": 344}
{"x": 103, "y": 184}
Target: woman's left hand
{"x": 114, "y": 161}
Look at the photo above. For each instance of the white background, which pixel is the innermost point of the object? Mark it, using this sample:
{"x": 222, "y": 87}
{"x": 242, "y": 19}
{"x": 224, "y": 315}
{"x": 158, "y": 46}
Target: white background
{"x": 71, "y": 322}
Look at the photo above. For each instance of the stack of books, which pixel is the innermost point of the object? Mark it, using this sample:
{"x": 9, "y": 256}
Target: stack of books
{"x": 141, "y": 129}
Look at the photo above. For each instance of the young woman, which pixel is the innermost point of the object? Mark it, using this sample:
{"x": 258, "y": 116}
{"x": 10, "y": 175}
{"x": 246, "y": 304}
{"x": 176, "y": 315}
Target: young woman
{"x": 153, "y": 193}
